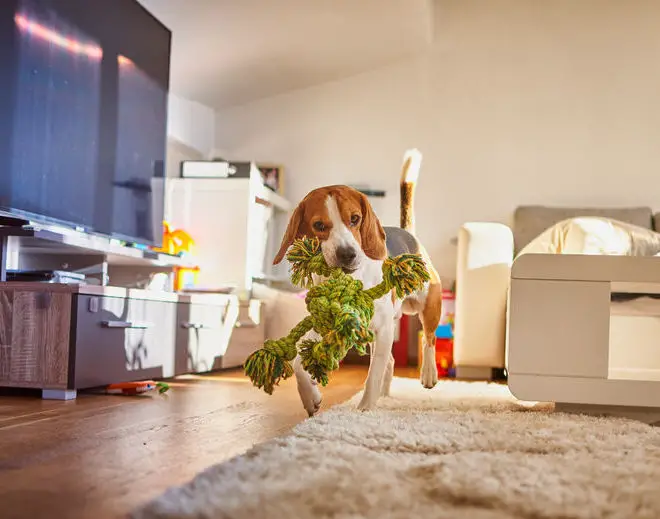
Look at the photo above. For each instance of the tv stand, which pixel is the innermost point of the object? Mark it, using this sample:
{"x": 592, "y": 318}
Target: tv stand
{"x": 31, "y": 247}
{"x": 62, "y": 338}
{"x": 8, "y": 222}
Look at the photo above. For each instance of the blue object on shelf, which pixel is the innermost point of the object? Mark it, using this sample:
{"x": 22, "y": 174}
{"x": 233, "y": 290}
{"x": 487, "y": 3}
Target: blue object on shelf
{"x": 444, "y": 331}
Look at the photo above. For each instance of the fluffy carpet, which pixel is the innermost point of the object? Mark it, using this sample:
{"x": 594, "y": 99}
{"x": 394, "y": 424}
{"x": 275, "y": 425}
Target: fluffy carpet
{"x": 461, "y": 450}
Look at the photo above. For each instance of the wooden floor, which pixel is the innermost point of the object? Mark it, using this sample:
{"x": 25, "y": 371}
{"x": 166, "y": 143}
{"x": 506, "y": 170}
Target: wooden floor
{"x": 100, "y": 456}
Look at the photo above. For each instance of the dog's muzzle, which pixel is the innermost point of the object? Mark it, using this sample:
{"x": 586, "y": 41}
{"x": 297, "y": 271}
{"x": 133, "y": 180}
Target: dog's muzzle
{"x": 346, "y": 257}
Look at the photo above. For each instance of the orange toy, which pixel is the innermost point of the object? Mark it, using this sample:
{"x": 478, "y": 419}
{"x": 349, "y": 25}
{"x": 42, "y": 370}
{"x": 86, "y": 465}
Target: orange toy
{"x": 185, "y": 277}
{"x": 176, "y": 241}
{"x": 135, "y": 388}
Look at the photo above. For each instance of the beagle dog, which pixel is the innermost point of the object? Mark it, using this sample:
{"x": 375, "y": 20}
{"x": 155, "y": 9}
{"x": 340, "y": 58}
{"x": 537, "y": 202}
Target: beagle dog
{"x": 352, "y": 238}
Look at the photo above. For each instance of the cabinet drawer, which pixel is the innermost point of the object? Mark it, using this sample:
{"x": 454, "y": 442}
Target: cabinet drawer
{"x": 247, "y": 335}
{"x": 122, "y": 339}
{"x": 216, "y": 336}
{"x": 201, "y": 336}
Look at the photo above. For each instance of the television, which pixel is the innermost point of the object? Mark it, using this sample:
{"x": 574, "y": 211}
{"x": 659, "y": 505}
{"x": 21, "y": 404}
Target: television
{"x": 83, "y": 115}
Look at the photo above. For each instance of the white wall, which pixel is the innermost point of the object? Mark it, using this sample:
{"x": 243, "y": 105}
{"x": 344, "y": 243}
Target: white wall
{"x": 518, "y": 102}
{"x": 190, "y": 132}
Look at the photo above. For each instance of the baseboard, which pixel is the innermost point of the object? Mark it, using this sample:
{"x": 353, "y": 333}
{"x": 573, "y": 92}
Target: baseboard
{"x": 648, "y": 415}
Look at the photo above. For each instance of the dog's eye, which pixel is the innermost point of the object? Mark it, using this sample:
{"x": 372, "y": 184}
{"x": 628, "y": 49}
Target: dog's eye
{"x": 318, "y": 226}
{"x": 355, "y": 219}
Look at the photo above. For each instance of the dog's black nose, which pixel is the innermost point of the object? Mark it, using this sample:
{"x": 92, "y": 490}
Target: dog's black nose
{"x": 346, "y": 255}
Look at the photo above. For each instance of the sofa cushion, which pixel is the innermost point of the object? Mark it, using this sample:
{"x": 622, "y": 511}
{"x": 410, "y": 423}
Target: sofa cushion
{"x": 530, "y": 221}
{"x": 592, "y": 235}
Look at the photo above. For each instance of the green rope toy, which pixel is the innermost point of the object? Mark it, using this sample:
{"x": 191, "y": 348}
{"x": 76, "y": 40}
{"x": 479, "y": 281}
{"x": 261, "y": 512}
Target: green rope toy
{"x": 340, "y": 313}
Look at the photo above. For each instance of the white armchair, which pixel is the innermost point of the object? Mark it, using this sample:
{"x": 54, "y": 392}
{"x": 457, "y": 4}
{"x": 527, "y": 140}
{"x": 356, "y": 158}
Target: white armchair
{"x": 485, "y": 255}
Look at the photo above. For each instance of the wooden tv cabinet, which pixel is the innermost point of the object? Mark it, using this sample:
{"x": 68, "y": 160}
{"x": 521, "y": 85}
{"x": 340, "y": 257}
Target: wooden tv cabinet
{"x": 64, "y": 338}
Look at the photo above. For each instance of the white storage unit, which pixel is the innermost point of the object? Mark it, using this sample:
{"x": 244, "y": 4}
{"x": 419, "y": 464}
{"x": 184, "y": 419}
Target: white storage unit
{"x": 236, "y": 223}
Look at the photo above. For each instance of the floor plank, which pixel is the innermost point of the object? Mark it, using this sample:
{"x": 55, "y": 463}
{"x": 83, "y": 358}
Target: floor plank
{"x": 100, "y": 456}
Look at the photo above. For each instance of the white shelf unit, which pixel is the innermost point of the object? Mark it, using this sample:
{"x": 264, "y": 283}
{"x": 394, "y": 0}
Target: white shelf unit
{"x": 236, "y": 224}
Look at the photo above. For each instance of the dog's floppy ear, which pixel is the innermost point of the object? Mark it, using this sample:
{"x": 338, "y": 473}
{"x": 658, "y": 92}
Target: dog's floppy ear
{"x": 372, "y": 232}
{"x": 292, "y": 232}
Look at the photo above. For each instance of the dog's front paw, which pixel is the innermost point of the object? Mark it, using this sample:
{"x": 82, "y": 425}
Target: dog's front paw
{"x": 367, "y": 403}
{"x": 311, "y": 398}
{"x": 429, "y": 375}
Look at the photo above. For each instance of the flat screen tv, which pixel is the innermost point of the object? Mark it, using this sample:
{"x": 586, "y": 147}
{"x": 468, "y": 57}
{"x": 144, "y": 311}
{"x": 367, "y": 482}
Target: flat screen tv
{"x": 83, "y": 115}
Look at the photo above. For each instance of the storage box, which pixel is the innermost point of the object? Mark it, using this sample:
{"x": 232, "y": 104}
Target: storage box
{"x": 444, "y": 350}
{"x": 448, "y": 307}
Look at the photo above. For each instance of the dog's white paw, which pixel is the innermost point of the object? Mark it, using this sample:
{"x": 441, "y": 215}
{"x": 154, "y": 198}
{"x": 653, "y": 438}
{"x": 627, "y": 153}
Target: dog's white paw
{"x": 311, "y": 398}
{"x": 429, "y": 380}
{"x": 367, "y": 403}
{"x": 429, "y": 373}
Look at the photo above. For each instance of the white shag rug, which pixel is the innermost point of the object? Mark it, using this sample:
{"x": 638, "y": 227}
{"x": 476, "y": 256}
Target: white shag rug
{"x": 461, "y": 450}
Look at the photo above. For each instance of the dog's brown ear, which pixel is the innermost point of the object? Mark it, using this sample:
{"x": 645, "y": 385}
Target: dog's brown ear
{"x": 372, "y": 232}
{"x": 292, "y": 232}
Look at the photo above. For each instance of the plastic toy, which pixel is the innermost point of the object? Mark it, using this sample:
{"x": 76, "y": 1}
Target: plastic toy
{"x": 340, "y": 313}
{"x": 136, "y": 388}
{"x": 176, "y": 241}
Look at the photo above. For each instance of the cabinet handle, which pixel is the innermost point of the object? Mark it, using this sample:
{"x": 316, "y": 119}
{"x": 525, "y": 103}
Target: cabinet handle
{"x": 125, "y": 324}
{"x": 245, "y": 324}
{"x": 195, "y": 326}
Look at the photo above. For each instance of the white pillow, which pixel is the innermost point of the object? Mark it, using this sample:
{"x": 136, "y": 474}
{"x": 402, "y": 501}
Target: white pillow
{"x": 594, "y": 235}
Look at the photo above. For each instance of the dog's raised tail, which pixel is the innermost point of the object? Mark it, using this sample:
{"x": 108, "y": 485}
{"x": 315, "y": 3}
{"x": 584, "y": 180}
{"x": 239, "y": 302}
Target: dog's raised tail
{"x": 412, "y": 162}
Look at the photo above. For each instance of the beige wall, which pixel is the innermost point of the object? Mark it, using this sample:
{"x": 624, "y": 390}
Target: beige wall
{"x": 518, "y": 101}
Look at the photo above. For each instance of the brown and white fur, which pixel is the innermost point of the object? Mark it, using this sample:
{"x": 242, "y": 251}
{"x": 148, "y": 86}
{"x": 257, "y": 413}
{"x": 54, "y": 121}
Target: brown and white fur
{"x": 352, "y": 238}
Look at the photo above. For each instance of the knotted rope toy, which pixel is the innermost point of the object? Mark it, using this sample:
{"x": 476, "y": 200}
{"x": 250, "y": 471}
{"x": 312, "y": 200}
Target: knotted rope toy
{"x": 340, "y": 312}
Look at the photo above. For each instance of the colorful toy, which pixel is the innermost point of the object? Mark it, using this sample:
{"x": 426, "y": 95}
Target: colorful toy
{"x": 136, "y": 388}
{"x": 444, "y": 348}
{"x": 340, "y": 313}
{"x": 448, "y": 307}
{"x": 185, "y": 278}
{"x": 176, "y": 242}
